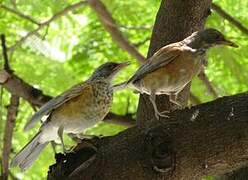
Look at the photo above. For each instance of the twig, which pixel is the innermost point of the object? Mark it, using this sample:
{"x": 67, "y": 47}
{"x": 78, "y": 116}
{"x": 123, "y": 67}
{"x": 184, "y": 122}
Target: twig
{"x": 18, "y": 13}
{"x": 202, "y": 76}
{"x": 110, "y": 25}
{"x": 138, "y": 44}
{"x": 229, "y": 18}
{"x": 8, "y": 133}
{"x": 46, "y": 23}
{"x": 5, "y": 55}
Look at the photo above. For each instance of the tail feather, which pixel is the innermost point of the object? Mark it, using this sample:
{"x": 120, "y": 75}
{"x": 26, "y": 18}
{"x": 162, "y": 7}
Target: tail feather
{"x": 32, "y": 157}
{"x": 29, "y": 153}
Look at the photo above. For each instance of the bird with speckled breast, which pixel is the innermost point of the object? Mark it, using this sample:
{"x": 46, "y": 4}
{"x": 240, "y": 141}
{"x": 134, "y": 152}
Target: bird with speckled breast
{"x": 173, "y": 66}
{"x": 75, "y": 110}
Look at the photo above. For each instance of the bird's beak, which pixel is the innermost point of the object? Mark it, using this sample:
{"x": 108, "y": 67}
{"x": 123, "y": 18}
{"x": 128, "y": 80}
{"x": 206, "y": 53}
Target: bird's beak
{"x": 228, "y": 43}
{"x": 122, "y": 65}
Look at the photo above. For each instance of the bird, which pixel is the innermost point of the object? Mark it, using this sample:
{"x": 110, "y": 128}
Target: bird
{"x": 75, "y": 110}
{"x": 173, "y": 66}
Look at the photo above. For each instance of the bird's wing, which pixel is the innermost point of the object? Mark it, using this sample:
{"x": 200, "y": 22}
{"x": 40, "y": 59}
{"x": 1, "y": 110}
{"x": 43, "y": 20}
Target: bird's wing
{"x": 56, "y": 102}
{"x": 160, "y": 59}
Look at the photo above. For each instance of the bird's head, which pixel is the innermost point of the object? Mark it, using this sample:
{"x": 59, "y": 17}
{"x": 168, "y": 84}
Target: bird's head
{"x": 108, "y": 70}
{"x": 209, "y": 38}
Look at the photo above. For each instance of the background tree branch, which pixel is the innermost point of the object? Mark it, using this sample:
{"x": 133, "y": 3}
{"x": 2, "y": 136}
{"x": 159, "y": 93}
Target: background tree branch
{"x": 20, "y": 14}
{"x": 46, "y": 23}
{"x": 8, "y": 133}
{"x": 229, "y": 18}
{"x": 110, "y": 25}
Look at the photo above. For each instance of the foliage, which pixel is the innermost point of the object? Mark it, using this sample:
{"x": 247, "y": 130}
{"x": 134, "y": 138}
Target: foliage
{"x": 66, "y": 52}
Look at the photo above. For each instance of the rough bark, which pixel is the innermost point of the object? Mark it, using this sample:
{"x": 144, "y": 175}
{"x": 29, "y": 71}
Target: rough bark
{"x": 175, "y": 21}
{"x": 208, "y": 139}
{"x": 240, "y": 174}
{"x": 8, "y": 134}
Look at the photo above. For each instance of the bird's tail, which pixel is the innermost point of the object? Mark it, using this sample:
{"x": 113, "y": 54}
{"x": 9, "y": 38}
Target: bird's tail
{"x": 29, "y": 153}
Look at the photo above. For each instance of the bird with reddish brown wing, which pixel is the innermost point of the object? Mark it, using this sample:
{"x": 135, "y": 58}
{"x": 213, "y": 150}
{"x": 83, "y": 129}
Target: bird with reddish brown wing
{"x": 173, "y": 66}
{"x": 72, "y": 112}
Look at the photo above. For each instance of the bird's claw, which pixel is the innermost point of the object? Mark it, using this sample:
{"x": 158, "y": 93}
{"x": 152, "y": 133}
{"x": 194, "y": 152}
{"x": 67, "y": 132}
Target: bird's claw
{"x": 161, "y": 114}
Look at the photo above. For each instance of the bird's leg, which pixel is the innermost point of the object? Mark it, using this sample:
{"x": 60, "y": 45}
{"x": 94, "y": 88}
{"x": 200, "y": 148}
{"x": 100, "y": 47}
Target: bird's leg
{"x": 60, "y": 134}
{"x": 86, "y": 136}
{"x": 152, "y": 98}
{"x": 53, "y": 144}
{"x": 173, "y": 99}
{"x": 79, "y": 139}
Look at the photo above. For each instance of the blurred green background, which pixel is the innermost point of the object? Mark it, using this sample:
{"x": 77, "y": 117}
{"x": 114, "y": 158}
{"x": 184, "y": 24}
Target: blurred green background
{"x": 70, "y": 48}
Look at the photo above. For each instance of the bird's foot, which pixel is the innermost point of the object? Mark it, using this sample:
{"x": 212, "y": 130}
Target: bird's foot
{"x": 180, "y": 106}
{"x": 65, "y": 150}
{"x": 161, "y": 114}
{"x": 85, "y": 136}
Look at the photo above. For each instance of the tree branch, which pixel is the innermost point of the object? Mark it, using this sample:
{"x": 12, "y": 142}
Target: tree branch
{"x": 203, "y": 140}
{"x": 203, "y": 77}
{"x": 16, "y": 86}
{"x": 110, "y": 25}
{"x": 8, "y": 133}
{"x": 5, "y": 55}
{"x": 20, "y": 14}
{"x": 46, "y": 23}
{"x": 229, "y": 18}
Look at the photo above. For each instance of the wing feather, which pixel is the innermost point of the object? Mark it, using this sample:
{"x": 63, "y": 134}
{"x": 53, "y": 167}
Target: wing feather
{"x": 55, "y": 103}
{"x": 160, "y": 59}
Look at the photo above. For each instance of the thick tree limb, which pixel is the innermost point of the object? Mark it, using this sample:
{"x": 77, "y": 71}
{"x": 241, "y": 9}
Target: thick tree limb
{"x": 9, "y": 127}
{"x": 229, "y": 18}
{"x": 46, "y": 23}
{"x": 204, "y": 140}
{"x": 110, "y": 25}
{"x": 239, "y": 174}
